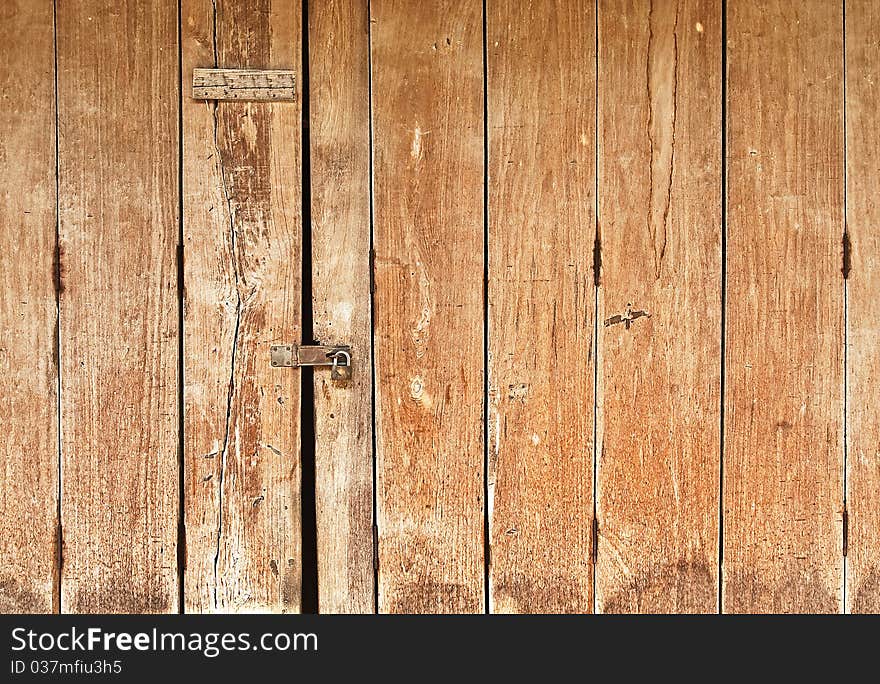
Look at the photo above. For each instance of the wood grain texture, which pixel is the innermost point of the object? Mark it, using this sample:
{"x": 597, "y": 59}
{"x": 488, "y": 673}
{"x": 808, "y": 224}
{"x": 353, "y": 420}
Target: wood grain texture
{"x": 659, "y": 375}
{"x": 428, "y": 186}
{"x": 339, "y": 119}
{"x": 243, "y": 84}
{"x": 28, "y": 345}
{"x": 863, "y": 304}
{"x": 118, "y": 223}
{"x": 783, "y": 445}
{"x": 541, "y": 120}
{"x": 242, "y": 241}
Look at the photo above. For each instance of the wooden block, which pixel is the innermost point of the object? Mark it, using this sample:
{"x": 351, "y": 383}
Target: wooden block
{"x": 541, "y": 121}
{"x": 659, "y": 376}
{"x": 340, "y": 155}
{"x": 118, "y": 231}
{"x": 242, "y": 236}
{"x": 427, "y": 61}
{"x": 244, "y": 84}
{"x": 28, "y": 347}
{"x": 863, "y": 305}
{"x": 783, "y": 405}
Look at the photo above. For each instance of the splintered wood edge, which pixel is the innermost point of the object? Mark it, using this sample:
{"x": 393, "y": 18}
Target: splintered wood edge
{"x": 244, "y": 84}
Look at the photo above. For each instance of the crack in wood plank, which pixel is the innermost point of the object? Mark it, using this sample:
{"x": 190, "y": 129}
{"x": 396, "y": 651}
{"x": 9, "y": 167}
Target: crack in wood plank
{"x": 660, "y": 232}
{"x": 224, "y": 450}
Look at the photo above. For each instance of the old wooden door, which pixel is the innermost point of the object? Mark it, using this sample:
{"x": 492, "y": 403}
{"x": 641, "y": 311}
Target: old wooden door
{"x": 605, "y": 271}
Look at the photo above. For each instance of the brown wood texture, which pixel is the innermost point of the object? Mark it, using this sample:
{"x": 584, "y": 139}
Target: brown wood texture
{"x": 863, "y": 304}
{"x": 242, "y": 262}
{"x": 783, "y": 442}
{"x": 659, "y": 375}
{"x": 339, "y": 122}
{"x": 118, "y": 223}
{"x": 427, "y": 103}
{"x": 28, "y": 344}
{"x": 542, "y": 156}
{"x": 243, "y": 84}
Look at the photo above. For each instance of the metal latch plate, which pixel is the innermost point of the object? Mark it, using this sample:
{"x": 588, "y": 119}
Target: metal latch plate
{"x": 281, "y": 355}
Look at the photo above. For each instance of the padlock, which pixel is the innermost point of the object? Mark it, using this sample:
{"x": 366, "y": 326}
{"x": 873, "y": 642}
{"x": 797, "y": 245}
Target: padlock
{"x": 341, "y": 369}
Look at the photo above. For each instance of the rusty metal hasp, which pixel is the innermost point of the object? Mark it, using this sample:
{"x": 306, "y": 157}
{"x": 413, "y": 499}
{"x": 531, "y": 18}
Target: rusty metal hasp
{"x": 337, "y": 357}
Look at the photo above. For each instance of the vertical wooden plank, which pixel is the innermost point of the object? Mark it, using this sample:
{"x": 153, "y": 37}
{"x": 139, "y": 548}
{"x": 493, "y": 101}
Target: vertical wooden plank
{"x": 242, "y": 242}
{"x": 660, "y": 375}
{"x": 118, "y": 223}
{"x": 28, "y": 348}
{"x": 863, "y": 304}
{"x": 339, "y": 119}
{"x": 783, "y": 453}
{"x": 428, "y": 185}
{"x": 541, "y": 116}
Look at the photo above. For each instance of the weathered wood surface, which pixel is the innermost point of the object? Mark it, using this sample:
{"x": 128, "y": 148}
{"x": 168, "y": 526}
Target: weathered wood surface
{"x": 118, "y": 223}
{"x": 428, "y": 211}
{"x": 541, "y": 128}
{"x": 28, "y": 346}
{"x": 664, "y": 469}
{"x": 339, "y": 114}
{"x": 659, "y": 375}
{"x": 783, "y": 442}
{"x": 863, "y": 304}
{"x": 243, "y": 84}
{"x": 242, "y": 242}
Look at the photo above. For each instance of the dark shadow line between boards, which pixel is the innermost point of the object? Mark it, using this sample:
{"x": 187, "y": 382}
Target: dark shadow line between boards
{"x": 309, "y": 551}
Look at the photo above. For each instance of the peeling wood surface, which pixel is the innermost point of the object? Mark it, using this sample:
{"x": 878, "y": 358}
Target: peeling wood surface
{"x": 243, "y": 84}
{"x": 427, "y": 62}
{"x": 659, "y": 371}
{"x": 28, "y": 346}
{"x": 541, "y": 121}
{"x": 242, "y": 263}
{"x": 118, "y": 222}
{"x": 863, "y": 304}
{"x": 783, "y": 447}
{"x": 339, "y": 116}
